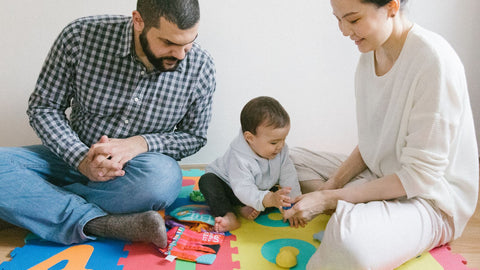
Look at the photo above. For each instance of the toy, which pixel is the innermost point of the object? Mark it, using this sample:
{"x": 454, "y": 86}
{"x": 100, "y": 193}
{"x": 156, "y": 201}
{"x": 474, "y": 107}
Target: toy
{"x": 288, "y": 207}
{"x": 287, "y": 257}
{"x": 193, "y": 213}
{"x": 200, "y": 247}
{"x": 319, "y": 236}
{"x": 197, "y": 196}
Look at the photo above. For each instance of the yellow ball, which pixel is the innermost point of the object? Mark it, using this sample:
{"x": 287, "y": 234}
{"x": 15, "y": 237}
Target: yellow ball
{"x": 287, "y": 257}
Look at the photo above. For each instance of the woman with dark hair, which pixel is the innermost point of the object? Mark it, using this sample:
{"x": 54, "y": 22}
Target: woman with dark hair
{"x": 411, "y": 184}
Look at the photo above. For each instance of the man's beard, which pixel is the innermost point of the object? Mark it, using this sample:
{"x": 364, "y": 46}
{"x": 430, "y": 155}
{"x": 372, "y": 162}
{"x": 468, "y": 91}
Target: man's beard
{"x": 157, "y": 62}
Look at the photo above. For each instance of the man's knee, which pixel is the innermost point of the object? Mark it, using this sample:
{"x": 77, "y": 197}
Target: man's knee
{"x": 13, "y": 158}
{"x": 5, "y": 158}
{"x": 8, "y": 157}
{"x": 32, "y": 155}
{"x": 157, "y": 178}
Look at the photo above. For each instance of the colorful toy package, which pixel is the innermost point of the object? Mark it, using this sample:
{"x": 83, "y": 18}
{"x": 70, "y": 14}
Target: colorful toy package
{"x": 193, "y": 213}
{"x": 185, "y": 244}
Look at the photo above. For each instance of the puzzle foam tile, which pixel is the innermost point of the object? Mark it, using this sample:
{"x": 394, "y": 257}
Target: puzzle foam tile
{"x": 224, "y": 257}
{"x": 259, "y": 241}
{"x": 193, "y": 173}
{"x": 39, "y": 255}
{"x": 144, "y": 256}
{"x": 450, "y": 261}
{"x": 440, "y": 258}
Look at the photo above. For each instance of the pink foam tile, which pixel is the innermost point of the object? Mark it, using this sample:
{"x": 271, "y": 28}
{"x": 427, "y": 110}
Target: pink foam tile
{"x": 448, "y": 260}
{"x": 224, "y": 257}
{"x": 144, "y": 256}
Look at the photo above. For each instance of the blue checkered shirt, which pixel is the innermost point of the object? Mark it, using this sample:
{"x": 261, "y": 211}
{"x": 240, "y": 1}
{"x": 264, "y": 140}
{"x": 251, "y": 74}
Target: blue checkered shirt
{"x": 92, "y": 68}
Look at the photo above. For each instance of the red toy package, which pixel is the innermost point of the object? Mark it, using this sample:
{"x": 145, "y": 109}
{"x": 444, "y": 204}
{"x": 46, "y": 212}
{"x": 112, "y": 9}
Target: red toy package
{"x": 200, "y": 247}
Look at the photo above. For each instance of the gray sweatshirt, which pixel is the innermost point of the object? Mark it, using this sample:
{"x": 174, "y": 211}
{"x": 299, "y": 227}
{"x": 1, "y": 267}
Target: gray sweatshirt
{"x": 250, "y": 176}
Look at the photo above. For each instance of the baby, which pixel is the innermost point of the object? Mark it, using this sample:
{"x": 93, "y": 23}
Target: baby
{"x": 256, "y": 171}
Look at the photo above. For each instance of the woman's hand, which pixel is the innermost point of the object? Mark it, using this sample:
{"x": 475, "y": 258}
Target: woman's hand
{"x": 308, "y": 206}
{"x": 295, "y": 222}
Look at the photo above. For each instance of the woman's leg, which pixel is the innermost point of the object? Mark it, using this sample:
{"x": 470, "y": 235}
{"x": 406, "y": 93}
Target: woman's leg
{"x": 313, "y": 168}
{"x": 380, "y": 234}
{"x": 374, "y": 235}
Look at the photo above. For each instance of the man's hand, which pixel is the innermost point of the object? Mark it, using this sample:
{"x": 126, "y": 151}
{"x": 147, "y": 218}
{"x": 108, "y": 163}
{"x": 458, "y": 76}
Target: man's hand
{"x": 106, "y": 158}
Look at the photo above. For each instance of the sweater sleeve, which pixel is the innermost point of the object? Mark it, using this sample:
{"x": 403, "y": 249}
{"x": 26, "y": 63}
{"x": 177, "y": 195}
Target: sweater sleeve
{"x": 52, "y": 97}
{"x": 288, "y": 175}
{"x": 242, "y": 177}
{"x": 431, "y": 127}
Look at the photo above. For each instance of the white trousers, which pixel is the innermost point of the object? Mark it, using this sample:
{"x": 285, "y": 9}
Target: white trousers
{"x": 373, "y": 235}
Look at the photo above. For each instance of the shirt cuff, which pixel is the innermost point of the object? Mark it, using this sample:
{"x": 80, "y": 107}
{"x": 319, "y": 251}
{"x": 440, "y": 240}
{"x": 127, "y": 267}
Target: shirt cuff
{"x": 75, "y": 154}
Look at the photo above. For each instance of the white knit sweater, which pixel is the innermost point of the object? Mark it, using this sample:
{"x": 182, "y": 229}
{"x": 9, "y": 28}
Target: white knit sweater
{"x": 416, "y": 121}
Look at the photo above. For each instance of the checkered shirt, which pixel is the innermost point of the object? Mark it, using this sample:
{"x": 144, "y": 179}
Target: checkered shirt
{"x": 92, "y": 68}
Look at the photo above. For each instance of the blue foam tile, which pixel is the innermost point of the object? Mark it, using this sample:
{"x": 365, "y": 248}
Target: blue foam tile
{"x": 105, "y": 255}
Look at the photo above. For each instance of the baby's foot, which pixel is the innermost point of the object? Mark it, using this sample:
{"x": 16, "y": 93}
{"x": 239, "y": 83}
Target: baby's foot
{"x": 227, "y": 223}
{"x": 249, "y": 212}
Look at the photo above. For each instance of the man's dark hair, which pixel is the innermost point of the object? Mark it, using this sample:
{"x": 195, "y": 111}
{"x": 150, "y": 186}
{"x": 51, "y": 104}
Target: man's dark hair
{"x": 183, "y": 13}
{"x": 263, "y": 111}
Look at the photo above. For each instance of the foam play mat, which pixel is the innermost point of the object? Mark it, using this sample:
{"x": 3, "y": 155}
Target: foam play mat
{"x": 254, "y": 245}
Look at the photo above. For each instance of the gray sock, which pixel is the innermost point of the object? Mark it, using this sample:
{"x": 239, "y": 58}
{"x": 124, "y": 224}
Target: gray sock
{"x": 146, "y": 227}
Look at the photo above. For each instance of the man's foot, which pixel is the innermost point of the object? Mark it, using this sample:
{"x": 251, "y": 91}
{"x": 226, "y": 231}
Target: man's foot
{"x": 146, "y": 227}
{"x": 249, "y": 212}
{"x": 227, "y": 223}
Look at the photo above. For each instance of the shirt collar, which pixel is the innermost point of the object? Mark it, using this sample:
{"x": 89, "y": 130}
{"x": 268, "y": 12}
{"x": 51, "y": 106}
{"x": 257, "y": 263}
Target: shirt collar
{"x": 126, "y": 46}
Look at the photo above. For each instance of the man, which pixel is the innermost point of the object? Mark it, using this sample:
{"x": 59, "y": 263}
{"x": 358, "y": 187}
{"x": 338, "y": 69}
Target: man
{"x": 140, "y": 92}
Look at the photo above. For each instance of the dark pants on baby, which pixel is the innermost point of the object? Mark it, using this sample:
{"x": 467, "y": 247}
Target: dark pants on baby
{"x": 218, "y": 195}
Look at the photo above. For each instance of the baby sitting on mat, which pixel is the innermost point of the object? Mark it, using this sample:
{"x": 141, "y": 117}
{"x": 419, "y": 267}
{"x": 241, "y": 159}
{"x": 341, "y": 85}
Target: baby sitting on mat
{"x": 255, "y": 164}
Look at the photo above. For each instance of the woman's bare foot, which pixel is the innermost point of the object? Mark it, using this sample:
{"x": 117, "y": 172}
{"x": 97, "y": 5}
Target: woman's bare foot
{"x": 229, "y": 222}
{"x": 248, "y": 212}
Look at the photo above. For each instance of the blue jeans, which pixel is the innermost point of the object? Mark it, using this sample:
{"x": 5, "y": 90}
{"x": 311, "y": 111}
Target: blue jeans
{"x": 41, "y": 193}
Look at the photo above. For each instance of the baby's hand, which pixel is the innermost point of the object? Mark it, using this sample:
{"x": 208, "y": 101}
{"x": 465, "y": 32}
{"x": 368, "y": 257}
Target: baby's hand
{"x": 278, "y": 198}
{"x": 282, "y": 199}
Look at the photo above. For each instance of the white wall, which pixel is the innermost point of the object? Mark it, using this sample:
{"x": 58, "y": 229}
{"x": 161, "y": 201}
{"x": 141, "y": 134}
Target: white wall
{"x": 291, "y": 50}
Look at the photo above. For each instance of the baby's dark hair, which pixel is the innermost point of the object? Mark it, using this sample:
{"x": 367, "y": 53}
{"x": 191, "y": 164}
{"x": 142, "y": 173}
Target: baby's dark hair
{"x": 263, "y": 111}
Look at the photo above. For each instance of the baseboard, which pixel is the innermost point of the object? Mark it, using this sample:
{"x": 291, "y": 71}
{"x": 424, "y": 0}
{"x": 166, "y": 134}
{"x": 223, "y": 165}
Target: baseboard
{"x": 193, "y": 166}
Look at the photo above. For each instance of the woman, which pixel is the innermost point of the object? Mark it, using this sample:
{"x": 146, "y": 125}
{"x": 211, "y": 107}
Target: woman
{"x": 411, "y": 184}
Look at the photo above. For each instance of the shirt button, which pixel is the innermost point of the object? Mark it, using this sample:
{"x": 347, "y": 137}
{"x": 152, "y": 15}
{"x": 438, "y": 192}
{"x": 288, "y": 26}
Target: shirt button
{"x": 126, "y": 121}
{"x": 136, "y": 99}
{"x": 142, "y": 73}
